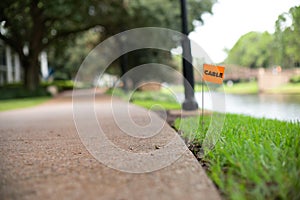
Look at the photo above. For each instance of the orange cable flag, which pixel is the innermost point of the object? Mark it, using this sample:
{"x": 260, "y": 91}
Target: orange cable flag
{"x": 212, "y": 73}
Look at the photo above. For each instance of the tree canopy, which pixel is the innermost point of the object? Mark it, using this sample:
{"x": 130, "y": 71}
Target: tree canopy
{"x": 282, "y": 48}
{"x": 287, "y": 38}
{"x": 36, "y": 24}
{"x": 252, "y": 50}
{"x": 39, "y": 24}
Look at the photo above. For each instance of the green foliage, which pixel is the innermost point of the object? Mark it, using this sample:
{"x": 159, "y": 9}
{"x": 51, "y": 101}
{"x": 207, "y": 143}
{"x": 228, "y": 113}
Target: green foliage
{"x": 16, "y": 90}
{"x": 60, "y": 84}
{"x": 295, "y": 79}
{"x": 117, "y": 92}
{"x": 38, "y": 24}
{"x": 13, "y": 91}
{"x": 52, "y": 20}
{"x": 140, "y": 13}
{"x": 252, "y": 88}
{"x": 242, "y": 88}
{"x": 67, "y": 60}
{"x": 124, "y": 15}
{"x": 180, "y": 88}
{"x": 21, "y": 103}
{"x": 43, "y": 24}
{"x": 264, "y": 50}
{"x": 289, "y": 88}
{"x": 153, "y": 96}
{"x": 287, "y": 36}
{"x": 150, "y": 100}
{"x": 161, "y": 96}
{"x": 252, "y": 50}
{"x": 254, "y": 158}
{"x": 158, "y": 105}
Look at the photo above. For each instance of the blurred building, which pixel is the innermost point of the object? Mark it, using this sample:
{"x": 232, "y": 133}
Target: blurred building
{"x": 10, "y": 65}
{"x": 105, "y": 80}
{"x": 10, "y": 68}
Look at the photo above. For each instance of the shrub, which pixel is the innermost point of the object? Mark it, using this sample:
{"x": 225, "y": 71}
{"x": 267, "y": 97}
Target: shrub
{"x": 60, "y": 84}
{"x": 16, "y": 90}
{"x": 295, "y": 79}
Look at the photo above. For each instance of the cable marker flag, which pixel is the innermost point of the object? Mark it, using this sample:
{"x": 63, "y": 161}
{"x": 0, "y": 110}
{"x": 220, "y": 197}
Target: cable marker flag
{"x": 212, "y": 73}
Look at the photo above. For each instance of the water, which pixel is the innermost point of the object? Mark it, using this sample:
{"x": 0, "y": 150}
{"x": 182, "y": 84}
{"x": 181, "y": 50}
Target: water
{"x": 273, "y": 106}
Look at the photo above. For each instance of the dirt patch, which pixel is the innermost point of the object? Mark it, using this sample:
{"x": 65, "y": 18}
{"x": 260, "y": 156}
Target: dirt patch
{"x": 194, "y": 147}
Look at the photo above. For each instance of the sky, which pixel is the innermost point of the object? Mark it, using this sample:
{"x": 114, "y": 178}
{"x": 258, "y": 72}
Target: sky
{"x": 233, "y": 18}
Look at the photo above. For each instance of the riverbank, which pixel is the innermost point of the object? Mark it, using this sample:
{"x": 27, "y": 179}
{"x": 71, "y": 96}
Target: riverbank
{"x": 290, "y": 88}
{"x": 252, "y": 88}
{"x": 241, "y": 88}
{"x": 274, "y": 106}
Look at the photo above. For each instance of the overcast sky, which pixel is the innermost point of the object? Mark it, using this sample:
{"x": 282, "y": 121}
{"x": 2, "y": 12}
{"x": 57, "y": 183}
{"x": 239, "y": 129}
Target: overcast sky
{"x": 233, "y": 18}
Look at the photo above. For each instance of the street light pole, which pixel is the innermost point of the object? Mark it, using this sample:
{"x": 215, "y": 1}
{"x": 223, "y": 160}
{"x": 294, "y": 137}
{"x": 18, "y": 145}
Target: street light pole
{"x": 188, "y": 73}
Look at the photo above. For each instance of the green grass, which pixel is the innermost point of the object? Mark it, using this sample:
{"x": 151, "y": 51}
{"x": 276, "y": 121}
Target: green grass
{"x": 242, "y": 88}
{"x": 148, "y": 99}
{"x": 173, "y": 88}
{"x": 180, "y": 88}
{"x": 290, "y": 88}
{"x": 153, "y": 96}
{"x": 21, "y": 103}
{"x": 252, "y": 88}
{"x": 295, "y": 79}
{"x": 254, "y": 158}
{"x": 158, "y": 105}
{"x": 60, "y": 84}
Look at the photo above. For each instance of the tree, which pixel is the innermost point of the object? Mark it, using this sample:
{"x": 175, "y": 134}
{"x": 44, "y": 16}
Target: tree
{"x": 140, "y": 13}
{"x": 252, "y": 50}
{"x": 287, "y": 38}
{"x": 66, "y": 61}
{"x": 126, "y": 15}
{"x": 36, "y": 24}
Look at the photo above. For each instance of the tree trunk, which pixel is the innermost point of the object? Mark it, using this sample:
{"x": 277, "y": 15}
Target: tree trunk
{"x": 123, "y": 61}
{"x": 123, "y": 66}
{"x": 31, "y": 72}
{"x": 31, "y": 67}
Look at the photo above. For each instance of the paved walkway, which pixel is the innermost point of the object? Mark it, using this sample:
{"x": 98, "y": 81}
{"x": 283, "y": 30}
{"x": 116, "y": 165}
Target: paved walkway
{"x": 42, "y": 157}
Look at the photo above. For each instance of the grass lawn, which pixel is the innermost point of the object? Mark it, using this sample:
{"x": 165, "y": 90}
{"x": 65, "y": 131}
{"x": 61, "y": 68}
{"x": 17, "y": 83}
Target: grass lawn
{"x": 254, "y": 158}
{"x": 156, "y": 105}
{"x": 242, "y": 88}
{"x": 151, "y": 99}
{"x": 21, "y": 103}
{"x": 290, "y": 88}
{"x": 252, "y": 88}
{"x": 180, "y": 88}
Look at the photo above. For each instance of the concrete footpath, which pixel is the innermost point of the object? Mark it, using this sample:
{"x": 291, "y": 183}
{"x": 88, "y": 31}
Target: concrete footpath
{"x": 43, "y": 157}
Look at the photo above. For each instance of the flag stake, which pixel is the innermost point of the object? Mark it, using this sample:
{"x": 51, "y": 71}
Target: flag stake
{"x": 202, "y": 108}
{"x": 213, "y": 74}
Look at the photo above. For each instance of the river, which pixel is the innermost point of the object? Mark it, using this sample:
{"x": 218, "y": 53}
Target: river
{"x": 273, "y": 106}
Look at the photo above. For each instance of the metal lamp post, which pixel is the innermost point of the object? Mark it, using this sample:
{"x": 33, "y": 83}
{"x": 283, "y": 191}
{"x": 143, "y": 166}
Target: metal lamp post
{"x": 188, "y": 73}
